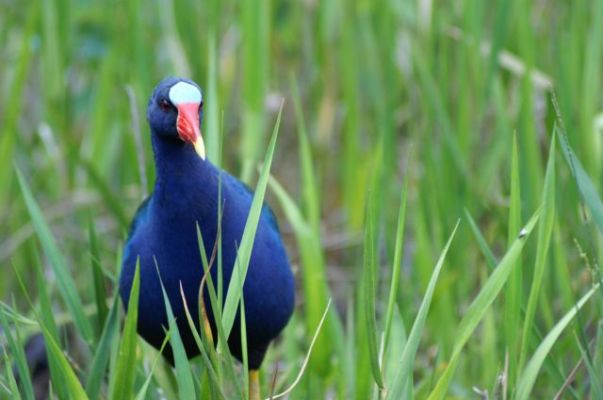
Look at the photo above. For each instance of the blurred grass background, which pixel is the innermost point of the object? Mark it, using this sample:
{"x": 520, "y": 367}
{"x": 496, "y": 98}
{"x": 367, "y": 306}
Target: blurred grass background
{"x": 399, "y": 118}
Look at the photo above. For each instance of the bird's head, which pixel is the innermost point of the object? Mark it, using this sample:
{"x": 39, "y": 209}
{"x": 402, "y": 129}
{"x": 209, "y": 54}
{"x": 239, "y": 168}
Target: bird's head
{"x": 175, "y": 110}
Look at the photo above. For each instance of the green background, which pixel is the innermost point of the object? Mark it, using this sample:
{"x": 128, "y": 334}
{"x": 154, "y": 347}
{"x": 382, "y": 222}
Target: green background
{"x": 483, "y": 111}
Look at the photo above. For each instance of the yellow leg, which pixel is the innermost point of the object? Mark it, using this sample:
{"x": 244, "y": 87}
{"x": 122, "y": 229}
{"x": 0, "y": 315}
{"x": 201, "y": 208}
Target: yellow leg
{"x": 254, "y": 384}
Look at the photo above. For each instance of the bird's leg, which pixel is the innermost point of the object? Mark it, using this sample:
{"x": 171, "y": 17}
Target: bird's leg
{"x": 254, "y": 384}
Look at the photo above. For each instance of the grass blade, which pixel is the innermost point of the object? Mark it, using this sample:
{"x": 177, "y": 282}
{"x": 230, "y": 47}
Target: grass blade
{"x": 145, "y": 386}
{"x": 314, "y": 281}
{"x": 59, "y": 266}
{"x": 212, "y": 133}
{"x": 103, "y": 351}
{"x": 215, "y": 306}
{"x": 530, "y": 373}
{"x": 19, "y": 358}
{"x": 595, "y": 384}
{"x": 13, "y": 389}
{"x": 205, "y": 347}
{"x": 184, "y": 377}
{"x": 74, "y": 387}
{"x": 514, "y": 291}
{"x": 47, "y": 317}
{"x": 123, "y": 384}
{"x": 545, "y": 231}
{"x": 585, "y": 186}
{"x": 367, "y": 292}
{"x": 480, "y": 305}
{"x": 254, "y": 19}
{"x": 247, "y": 390}
{"x": 110, "y": 199}
{"x": 11, "y": 111}
{"x": 186, "y": 388}
{"x": 481, "y": 241}
{"x": 244, "y": 254}
{"x": 404, "y": 374}
{"x": 307, "y": 358}
{"x": 396, "y": 267}
{"x": 306, "y": 225}
{"x": 98, "y": 279}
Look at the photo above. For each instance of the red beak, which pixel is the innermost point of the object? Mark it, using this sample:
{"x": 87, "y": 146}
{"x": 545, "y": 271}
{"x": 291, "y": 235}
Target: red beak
{"x": 187, "y": 123}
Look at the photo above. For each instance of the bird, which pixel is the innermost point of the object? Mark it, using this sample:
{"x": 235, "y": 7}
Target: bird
{"x": 163, "y": 238}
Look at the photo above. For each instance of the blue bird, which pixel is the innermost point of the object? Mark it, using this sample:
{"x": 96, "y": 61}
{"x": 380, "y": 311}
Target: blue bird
{"x": 163, "y": 235}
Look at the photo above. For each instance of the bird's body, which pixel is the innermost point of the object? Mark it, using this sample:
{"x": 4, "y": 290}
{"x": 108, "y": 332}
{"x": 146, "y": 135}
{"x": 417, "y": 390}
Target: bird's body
{"x": 163, "y": 236}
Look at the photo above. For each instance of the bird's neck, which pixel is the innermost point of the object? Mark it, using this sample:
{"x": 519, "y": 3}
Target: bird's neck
{"x": 180, "y": 170}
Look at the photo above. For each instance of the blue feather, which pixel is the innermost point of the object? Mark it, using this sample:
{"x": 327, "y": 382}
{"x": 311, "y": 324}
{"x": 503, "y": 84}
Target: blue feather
{"x": 163, "y": 237}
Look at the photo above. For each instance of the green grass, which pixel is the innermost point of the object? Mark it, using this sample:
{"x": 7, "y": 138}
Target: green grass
{"x": 398, "y": 120}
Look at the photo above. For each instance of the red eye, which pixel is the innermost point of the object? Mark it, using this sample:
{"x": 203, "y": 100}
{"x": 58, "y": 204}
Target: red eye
{"x": 165, "y": 105}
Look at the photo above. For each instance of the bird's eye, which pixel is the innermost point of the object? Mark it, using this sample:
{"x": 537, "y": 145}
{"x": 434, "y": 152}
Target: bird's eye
{"x": 165, "y": 105}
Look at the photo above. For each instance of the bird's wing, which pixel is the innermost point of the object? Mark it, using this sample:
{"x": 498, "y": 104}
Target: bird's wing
{"x": 140, "y": 216}
{"x": 247, "y": 191}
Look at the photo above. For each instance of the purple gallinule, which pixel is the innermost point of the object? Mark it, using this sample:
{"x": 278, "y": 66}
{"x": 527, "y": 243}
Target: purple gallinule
{"x": 163, "y": 235}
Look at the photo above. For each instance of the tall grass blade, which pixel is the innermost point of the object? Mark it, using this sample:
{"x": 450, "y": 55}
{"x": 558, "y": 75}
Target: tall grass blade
{"x": 306, "y": 225}
{"x": 111, "y": 200}
{"x": 595, "y": 384}
{"x": 184, "y": 377}
{"x": 514, "y": 290}
{"x": 244, "y": 254}
{"x": 205, "y": 347}
{"x": 122, "y": 386}
{"x": 530, "y": 373}
{"x": 47, "y": 317}
{"x": 254, "y": 22}
{"x": 545, "y": 231}
{"x": 585, "y": 186}
{"x": 141, "y": 395}
{"x": 404, "y": 374}
{"x": 480, "y": 304}
{"x": 481, "y": 241}
{"x": 223, "y": 350}
{"x": 307, "y": 358}
{"x": 72, "y": 382}
{"x": 103, "y": 351}
{"x": 212, "y": 133}
{"x": 98, "y": 279}
{"x": 16, "y": 348}
{"x": 391, "y": 360}
{"x": 396, "y": 267}
{"x": 243, "y": 332}
{"x": 367, "y": 291}
{"x": 314, "y": 281}
{"x": 13, "y": 389}
{"x": 308, "y": 173}
{"x": 435, "y": 101}
{"x": 17, "y": 90}
{"x": 59, "y": 266}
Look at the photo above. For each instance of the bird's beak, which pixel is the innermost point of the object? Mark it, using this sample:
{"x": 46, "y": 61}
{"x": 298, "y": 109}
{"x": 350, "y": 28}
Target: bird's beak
{"x": 187, "y": 125}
